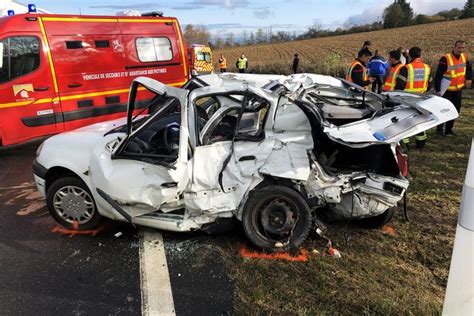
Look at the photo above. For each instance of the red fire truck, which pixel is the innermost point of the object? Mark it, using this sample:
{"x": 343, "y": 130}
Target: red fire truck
{"x": 61, "y": 72}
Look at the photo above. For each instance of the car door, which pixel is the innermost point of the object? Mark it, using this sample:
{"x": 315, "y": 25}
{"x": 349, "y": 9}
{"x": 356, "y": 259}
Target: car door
{"x": 231, "y": 149}
{"x": 141, "y": 175}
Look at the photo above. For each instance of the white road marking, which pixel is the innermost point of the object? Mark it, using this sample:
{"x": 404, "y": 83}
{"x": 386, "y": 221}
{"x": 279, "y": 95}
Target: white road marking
{"x": 157, "y": 297}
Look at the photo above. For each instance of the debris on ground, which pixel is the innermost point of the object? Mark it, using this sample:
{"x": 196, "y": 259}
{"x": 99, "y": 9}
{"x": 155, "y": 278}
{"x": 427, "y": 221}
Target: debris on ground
{"x": 249, "y": 254}
{"x": 74, "y": 232}
{"x": 333, "y": 252}
{"x": 389, "y": 230}
{"x": 117, "y": 235}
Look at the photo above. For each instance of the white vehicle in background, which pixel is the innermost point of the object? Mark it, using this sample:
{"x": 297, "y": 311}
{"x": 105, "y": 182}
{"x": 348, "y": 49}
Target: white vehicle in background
{"x": 268, "y": 150}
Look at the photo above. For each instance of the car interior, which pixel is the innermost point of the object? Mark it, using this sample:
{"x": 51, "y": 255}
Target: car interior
{"x": 340, "y": 105}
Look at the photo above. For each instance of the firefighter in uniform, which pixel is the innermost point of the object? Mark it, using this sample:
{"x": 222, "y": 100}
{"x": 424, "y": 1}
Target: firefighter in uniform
{"x": 397, "y": 78}
{"x": 242, "y": 63}
{"x": 456, "y": 68}
{"x": 357, "y": 72}
{"x": 222, "y": 63}
{"x": 418, "y": 80}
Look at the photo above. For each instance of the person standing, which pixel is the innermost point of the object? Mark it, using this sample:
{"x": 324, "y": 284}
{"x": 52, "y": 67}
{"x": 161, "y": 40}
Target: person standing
{"x": 404, "y": 58}
{"x": 366, "y": 45}
{"x": 397, "y": 77}
{"x": 242, "y": 64}
{"x": 456, "y": 67}
{"x": 377, "y": 69}
{"x": 357, "y": 72}
{"x": 418, "y": 81}
{"x": 222, "y": 63}
{"x": 296, "y": 63}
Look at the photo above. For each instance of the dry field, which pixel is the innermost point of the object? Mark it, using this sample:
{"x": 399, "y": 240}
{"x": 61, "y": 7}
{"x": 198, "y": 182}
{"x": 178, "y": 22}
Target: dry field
{"x": 328, "y": 55}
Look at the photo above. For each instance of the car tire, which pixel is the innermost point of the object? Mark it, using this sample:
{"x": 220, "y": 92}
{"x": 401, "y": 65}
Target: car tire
{"x": 379, "y": 220}
{"x": 71, "y": 204}
{"x": 276, "y": 218}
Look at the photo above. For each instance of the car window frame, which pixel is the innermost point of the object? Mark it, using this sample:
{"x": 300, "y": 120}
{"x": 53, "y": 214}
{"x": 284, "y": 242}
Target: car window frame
{"x": 224, "y": 110}
{"x": 9, "y": 61}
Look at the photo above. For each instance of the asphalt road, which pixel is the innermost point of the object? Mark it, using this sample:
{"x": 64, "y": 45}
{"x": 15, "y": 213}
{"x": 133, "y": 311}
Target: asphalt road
{"x": 48, "y": 270}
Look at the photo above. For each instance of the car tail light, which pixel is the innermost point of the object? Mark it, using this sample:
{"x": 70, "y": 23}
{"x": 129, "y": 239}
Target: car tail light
{"x": 402, "y": 160}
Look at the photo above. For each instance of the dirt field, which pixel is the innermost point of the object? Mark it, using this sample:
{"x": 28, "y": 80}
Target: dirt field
{"x": 333, "y": 53}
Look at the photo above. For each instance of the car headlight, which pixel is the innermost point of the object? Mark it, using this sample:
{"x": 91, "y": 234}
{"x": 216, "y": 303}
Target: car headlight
{"x": 38, "y": 151}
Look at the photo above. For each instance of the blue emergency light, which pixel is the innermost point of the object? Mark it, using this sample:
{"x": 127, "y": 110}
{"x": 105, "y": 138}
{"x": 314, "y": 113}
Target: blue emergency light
{"x": 11, "y": 12}
{"x": 31, "y": 8}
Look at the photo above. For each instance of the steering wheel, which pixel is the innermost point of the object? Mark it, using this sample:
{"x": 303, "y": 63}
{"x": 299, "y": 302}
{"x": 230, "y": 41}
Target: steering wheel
{"x": 171, "y": 138}
{"x": 138, "y": 146}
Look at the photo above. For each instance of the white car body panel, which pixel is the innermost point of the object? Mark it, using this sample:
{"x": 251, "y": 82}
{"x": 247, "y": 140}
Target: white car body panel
{"x": 438, "y": 110}
{"x": 285, "y": 152}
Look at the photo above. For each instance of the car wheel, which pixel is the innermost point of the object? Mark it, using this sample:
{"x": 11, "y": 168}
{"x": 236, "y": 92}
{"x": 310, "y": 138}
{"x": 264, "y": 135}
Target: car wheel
{"x": 379, "y": 220}
{"x": 71, "y": 204}
{"x": 276, "y": 218}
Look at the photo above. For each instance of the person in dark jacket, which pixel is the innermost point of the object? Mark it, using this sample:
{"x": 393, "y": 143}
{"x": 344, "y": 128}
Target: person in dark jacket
{"x": 296, "y": 63}
{"x": 377, "y": 69}
{"x": 357, "y": 72}
{"x": 455, "y": 69}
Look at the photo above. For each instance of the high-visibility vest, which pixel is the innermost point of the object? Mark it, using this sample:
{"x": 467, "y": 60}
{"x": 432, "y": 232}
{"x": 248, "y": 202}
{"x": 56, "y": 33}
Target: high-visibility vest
{"x": 391, "y": 81}
{"x": 222, "y": 63}
{"x": 418, "y": 76}
{"x": 456, "y": 71}
{"x": 242, "y": 63}
{"x": 351, "y": 68}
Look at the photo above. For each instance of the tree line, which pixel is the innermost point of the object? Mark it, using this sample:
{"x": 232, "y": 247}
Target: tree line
{"x": 398, "y": 14}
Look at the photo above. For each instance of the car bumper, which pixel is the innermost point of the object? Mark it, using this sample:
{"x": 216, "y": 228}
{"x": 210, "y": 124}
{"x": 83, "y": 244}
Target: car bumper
{"x": 39, "y": 173}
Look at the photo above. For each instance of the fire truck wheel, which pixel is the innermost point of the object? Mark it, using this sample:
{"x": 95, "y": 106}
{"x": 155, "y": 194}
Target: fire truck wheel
{"x": 71, "y": 204}
{"x": 276, "y": 218}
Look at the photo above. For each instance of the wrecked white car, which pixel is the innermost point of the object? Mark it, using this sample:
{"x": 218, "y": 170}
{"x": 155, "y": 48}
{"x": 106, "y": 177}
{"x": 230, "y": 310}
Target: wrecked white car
{"x": 268, "y": 150}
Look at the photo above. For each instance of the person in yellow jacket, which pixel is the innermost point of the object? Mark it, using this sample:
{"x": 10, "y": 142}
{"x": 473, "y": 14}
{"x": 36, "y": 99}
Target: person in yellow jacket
{"x": 397, "y": 78}
{"x": 242, "y": 63}
{"x": 456, "y": 70}
{"x": 418, "y": 81}
{"x": 222, "y": 63}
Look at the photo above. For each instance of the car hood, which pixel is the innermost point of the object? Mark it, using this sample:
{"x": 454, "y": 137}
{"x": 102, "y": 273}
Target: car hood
{"x": 101, "y": 127}
{"x": 73, "y": 149}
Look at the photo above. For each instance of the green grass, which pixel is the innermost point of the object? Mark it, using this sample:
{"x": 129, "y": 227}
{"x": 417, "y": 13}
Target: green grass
{"x": 378, "y": 273}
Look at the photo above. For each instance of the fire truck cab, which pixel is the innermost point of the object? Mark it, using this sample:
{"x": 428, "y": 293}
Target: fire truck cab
{"x": 61, "y": 72}
{"x": 200, "y": 60}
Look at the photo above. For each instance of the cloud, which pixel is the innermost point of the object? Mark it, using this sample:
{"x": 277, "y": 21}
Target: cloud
{"x": 220, "y": 26}
{"x": 369, "y": 15}
{"x": 375, "y": 11}
{"x": 264, "y": 13}
{"x": 188, "y": 6}
{"x": 226, "y": 4}
{"x": 135, "y": 6}
{"x": 435, "y": 6}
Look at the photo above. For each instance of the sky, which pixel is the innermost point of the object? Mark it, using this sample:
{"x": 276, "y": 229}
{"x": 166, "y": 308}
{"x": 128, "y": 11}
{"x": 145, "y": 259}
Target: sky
{"x": 223, "y": 16}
